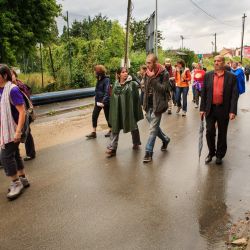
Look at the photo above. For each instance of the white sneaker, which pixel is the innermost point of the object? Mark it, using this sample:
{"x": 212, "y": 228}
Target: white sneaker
{"x": 15, "y": 190}
{"x": 184, "y": 113}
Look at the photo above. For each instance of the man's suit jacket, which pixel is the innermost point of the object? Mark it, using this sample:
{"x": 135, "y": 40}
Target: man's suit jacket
{"x": 230, "y": 94}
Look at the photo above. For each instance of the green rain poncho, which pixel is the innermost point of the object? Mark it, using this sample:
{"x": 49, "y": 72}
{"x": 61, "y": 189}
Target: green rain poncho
{"x": 125, "y": 109}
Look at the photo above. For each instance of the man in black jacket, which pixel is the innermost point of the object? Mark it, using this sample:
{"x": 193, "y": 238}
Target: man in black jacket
{"x": 155, "y": 102}
{"x": 219, "y": 100}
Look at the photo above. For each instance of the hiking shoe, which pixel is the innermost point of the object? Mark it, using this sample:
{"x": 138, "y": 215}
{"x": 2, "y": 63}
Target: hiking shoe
{"x": 218, "y": 161}
{"x": 108, "y": 134}
{"x": 178, "y": 110}
{"x": 15, "y": 190}
{"x": 110, "y": 153}
{"x": 165, "y": 145}
{"x": 29, "y": 158}
{"x": 136, "y": 146}
{"x": 24, "y": 181}
{"x": 184, "y": 113}
{"x": 91, "y": 135}
{"x": 148, "y": 157}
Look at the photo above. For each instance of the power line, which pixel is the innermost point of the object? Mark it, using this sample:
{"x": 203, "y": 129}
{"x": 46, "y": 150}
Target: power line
{"x": 211, "y": 16}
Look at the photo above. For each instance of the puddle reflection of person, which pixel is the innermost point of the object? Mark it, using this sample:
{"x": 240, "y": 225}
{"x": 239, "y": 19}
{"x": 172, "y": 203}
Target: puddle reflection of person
{"x": 212, "y": 212}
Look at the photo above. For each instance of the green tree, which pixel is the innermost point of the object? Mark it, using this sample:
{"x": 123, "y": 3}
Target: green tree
{"x": 23, "y": 24}
{"x": 138, "y": 31}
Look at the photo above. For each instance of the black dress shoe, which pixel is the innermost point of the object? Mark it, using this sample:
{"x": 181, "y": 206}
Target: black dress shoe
{"x": 209, "y": 158}
{"x": 218, "y": 161}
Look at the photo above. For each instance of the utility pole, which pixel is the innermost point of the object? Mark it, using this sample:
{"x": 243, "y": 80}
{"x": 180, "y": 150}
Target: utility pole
{"x": 212, "y": 46}
{"x": 215, "y": 43}
{"x": 182, "y": 38}
{"x": 156, "y": 27}
{"x": 69, "y": 45}
{"x": 41, "y": 58}
{"x": 127, "y": 34}
{"x": 242, "y": 36}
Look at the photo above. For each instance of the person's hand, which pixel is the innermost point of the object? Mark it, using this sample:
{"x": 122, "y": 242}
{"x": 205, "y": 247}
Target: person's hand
{"x": 232, "y": 116}
{"x": 17, "y": 137}
{"x": 202, "y": 114}
{"x": 100, "y": 104}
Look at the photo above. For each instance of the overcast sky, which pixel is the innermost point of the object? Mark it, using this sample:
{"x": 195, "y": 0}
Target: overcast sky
{"x": 176, "y": 17}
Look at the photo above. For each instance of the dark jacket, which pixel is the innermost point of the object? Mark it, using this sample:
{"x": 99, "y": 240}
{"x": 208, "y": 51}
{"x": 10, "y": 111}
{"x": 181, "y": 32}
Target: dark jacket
{"x": 102, "y": 90}
{"x": 125, "y": 109}
{"x": 161, "y": 92}
{"x": 230, "y": 94}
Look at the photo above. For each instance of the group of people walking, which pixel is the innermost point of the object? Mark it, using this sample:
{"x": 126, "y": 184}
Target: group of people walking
{"x": 163, "y": 86}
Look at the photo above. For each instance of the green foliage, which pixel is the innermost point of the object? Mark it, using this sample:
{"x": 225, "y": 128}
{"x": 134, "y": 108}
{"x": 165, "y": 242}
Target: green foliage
{"x": 138, "y": 31}
{"x": 23, "y": 24}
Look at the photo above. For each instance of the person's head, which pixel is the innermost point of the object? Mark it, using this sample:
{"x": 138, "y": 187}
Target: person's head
{"x": 122, "y": 74}
{"x": 234, "y": 65}
{"x": 181, "y": 64}
{"x": 5, "y": 74}
{"x": 239, "y": 64}
{"x": 143, "y": 70}
{"x": 100, "y": 71}
{"x": 151, "y": 61}
{"x": 13, "y": 75}
{"x": 167, "y": 62}
{"x": 227, "y": 68}
{"x": 197, "y": 66}
{"x": 219, "y": 63}
{"x": 193, "y": 65}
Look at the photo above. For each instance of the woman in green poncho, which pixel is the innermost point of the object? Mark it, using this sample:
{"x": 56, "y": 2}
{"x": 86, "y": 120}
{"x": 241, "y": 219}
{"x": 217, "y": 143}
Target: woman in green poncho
{"x": 125, "y": 111}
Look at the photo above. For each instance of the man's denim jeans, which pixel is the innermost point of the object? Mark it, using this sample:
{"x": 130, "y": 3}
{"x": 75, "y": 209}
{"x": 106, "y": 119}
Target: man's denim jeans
{"x": 184, "y": 92}
{"x": 154, "y": 130}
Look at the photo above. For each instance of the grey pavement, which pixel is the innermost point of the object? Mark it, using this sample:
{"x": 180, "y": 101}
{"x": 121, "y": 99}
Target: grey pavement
{"x": 78, "y": 199}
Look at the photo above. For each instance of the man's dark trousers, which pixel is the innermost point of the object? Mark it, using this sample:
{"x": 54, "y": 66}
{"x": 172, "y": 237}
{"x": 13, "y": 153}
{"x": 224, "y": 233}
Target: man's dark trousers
{"x": 217, "y": 118}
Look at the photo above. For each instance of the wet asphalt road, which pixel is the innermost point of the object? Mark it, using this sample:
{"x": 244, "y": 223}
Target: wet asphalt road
{"x": 78, "y": 199}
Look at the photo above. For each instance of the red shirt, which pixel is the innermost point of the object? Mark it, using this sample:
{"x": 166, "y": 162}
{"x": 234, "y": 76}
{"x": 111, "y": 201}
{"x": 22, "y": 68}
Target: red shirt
{"x": 199, "y": 75}
{"x": 218, "y": 86}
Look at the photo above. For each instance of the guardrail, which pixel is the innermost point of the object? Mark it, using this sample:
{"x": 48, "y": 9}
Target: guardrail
{"x": 60, "y": 96}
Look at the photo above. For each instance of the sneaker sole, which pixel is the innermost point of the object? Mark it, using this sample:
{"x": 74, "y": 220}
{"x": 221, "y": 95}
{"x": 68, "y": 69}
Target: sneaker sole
{"x": 146, "y": 161}
{"x": 15, "y": 196}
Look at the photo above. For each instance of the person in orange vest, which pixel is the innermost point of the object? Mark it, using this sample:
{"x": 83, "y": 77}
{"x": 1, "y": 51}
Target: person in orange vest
{"x": 182, "y": 79}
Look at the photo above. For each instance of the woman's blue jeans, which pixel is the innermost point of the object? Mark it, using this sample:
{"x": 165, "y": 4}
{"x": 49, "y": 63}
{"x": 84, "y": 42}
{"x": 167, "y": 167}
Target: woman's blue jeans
{"x": 182, "y": 91}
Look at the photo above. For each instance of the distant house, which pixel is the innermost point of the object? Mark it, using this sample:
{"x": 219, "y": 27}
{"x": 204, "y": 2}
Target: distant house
{"x": 230, "y": 53}
{"x": 208, "y": 55}
{"x": 246, "y": 52}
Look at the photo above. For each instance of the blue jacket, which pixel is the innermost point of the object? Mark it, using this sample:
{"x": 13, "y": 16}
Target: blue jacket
{"x": 240, "y": 79}
{"x": 102, "y": 90}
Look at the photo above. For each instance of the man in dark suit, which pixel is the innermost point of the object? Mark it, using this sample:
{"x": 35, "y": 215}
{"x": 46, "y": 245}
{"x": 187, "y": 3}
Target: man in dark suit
{"x": 219, "y": 100}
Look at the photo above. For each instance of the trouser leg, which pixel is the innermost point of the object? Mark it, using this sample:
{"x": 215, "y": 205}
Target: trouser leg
{"x": 106, "y": 113}
{"x": 178, "y": 96}
{"x": 11, "y": 159}
{"x": 30, "y": 145}
{"x": 222, "y": 124}
{"x": 154, "y": 123}
{"x": 136, "y": 140}
{"x": 184, "y": 97}
{"x": 211, "y": 133}
{"x": 95, "y": 115}
{"x": 114, "y": 137}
